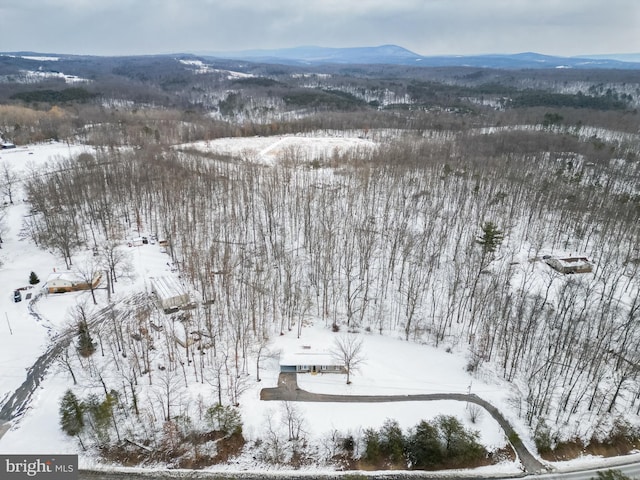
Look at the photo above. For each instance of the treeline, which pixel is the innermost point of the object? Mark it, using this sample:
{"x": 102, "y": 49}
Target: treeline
{"x": 76, "y": 94}
{"x": 324, "y": 100}
{"x": 443, "y": 443}
{"x": 579, "y": 100}
{"x": 94, "y": 421}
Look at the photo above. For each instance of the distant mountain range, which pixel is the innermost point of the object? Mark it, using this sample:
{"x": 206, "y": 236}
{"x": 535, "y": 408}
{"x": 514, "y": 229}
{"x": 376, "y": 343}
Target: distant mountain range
{"x": 395, "y": 55}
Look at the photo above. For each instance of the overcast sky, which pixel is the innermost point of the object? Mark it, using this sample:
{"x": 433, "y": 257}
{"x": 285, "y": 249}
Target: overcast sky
{"x": 427, "y": 27}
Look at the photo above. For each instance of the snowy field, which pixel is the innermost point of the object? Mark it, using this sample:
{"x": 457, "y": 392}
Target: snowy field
{"x": 268, "y": 150}
{"x": 391, "y": 365}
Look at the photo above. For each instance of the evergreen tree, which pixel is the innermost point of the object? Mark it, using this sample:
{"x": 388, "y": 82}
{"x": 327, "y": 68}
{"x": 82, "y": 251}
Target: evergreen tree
{"x": 372, "y": 451}
{"x": 612, "y": 475}
{"x": 33, "y": 278}
{"x": 392, "y": 442}
{"x": 224, "y": 419}
{"x": 424, "y": 449}
{"x": 490, "y": 239}
{"x": 99, "y": 414}
{"x": 86, "y": 346}
{"x": 459, "y": 444}
{"x": 71, "y": 415}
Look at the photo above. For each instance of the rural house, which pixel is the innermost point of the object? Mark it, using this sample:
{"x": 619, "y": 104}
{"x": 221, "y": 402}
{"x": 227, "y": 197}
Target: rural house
{"x": 570, "y": 264}
{"x": 309, "y": 360}
{"x": 68, "y": 281}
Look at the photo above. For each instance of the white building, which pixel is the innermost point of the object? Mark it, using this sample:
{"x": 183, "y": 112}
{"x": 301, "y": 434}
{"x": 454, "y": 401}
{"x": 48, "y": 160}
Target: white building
{"x": 169, "y": 292}
{"x": 570, "y": 264}
{"x": 68, "y": 281}
{"x": 309, "y": 360}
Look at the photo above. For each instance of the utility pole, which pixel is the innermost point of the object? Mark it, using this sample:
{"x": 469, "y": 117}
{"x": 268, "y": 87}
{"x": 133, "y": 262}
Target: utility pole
{"x": 6, "y": 315}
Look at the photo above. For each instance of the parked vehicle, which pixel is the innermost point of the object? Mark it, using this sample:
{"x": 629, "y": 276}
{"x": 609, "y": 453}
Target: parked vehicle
{"x": 17, "y": 296}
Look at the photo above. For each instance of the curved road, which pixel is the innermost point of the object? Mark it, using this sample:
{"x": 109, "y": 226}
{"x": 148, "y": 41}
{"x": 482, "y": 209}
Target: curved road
{"x": 288, "y": 389}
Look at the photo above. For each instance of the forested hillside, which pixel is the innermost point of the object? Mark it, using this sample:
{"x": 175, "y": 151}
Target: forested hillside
{"x": 436, "y": 234}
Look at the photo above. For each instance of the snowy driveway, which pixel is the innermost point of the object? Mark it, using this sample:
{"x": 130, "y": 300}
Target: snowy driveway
{"x": 288, "y": 389}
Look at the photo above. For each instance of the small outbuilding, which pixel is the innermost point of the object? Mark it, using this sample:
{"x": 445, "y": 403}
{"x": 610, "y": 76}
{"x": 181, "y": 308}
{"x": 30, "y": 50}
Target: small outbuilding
{"x": 570, "y": 264}
{"x": 170, "y": 293}
{"x": 309, "y": 360}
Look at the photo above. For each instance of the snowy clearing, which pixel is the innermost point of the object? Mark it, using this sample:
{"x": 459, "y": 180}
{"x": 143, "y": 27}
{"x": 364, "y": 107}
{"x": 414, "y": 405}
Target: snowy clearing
{"x": 269, "y": 150}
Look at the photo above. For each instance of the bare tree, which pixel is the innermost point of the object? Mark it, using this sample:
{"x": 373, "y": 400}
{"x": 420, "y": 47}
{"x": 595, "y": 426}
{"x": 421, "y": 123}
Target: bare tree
{"x": 273, "y": 447}
{"x": 116, "y": 261}
{"x": 8, "y": 180}
{"x": 91, "y": 273}
{"x": 260, "y": 351}
{"x": 64, "y": 360}
{"x": 348, "y": 350}
{"x": 168, "y": 391}
{"x": 293, "y": 419}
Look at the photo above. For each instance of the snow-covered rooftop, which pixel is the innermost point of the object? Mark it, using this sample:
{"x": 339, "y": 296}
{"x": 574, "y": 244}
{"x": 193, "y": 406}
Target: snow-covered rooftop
{"x": 66, "y": 275}
{"x": 308, "y": 357}
{"x": 167, "y": 287}
{"x": 574, "y": 261}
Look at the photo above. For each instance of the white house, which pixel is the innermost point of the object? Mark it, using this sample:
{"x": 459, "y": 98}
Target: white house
{"x": 69, "y": 281}
{"x": 309, "y": 360}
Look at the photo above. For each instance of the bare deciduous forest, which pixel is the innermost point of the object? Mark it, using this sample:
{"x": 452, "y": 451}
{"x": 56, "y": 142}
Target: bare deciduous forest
{"x": 438, "y": 233}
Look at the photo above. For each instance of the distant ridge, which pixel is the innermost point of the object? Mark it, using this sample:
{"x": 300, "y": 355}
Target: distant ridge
{"x": 382, "y": 55}
{"x": 396, "y": 55}
{"x": 391, "y": 54}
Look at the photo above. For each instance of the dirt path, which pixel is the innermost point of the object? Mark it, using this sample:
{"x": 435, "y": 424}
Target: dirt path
{"x": 288, "y": 390}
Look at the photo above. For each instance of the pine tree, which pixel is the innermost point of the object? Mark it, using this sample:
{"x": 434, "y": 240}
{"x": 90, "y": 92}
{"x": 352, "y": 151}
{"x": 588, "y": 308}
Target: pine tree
{"x": 224, "y": 419}
{"x": 372, "y": 453}
{"x": 459, "y": 444}
{"x": 490, "y": 239}
{"x": 612, "y": 475}
{"x": 99, "y": 415}
{"x": 393, "y": 443}
{"x": 71, "y": 415}
{"x": 33, "y": 279}
{"x": 424, "y": 448}
{"x": 86, "y": 346}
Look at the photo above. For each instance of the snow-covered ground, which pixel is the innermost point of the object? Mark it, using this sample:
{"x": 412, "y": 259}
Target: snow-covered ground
{"x": 391, "y": 366}
{"x": 269, "y": 150}
{"x": 22, "y": 337}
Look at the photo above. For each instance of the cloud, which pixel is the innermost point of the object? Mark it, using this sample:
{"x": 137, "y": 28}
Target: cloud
{"x": 425, "y": 26}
